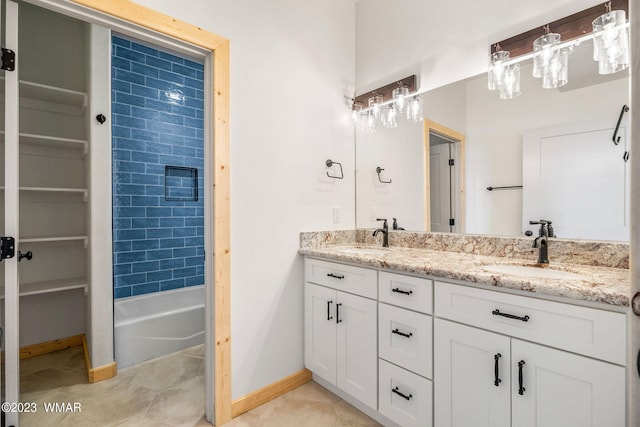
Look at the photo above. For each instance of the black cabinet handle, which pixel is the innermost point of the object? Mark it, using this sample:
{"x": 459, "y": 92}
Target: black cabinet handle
{"x": 521, "y": 389}
{"x": 400, "y": 291}
{"x": 399, "y": 393}
{"x": 338, "y": 320}
{"x": 496, "y": 312}
{"x": 28, "y": 256}
{"x": 329, "y": 316}
{"x": 397, "y": 332}
{"x": 496, "y": 370}
{"x": 335, "y": 276}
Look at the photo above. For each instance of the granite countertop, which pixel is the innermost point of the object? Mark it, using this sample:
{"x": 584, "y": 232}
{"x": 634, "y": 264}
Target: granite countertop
{"x": 588, "y": 283}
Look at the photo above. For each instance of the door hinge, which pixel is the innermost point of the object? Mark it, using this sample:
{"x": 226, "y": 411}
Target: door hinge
{"x": 8, "y": 60}
{"x": 7, "y": 247}
{"x": 452, "y": 222}
{"x": 451, "y": 162}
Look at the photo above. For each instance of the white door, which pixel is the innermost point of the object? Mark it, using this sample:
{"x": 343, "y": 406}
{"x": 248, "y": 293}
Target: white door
{"x": 576, "y": 177}
{"x": 563, "y": 389}
{"x": 320, "y": 331}
{"x": 357, "y": 347}
{"x": 468, "y": 362}
{"x": 440, "y": 183}
{"x": 11, "y": 298}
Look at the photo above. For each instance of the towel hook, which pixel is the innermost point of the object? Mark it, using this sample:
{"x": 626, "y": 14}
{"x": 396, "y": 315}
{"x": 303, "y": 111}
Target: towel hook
{"x": 616, "y": 138}
{"x": 329, "y": 164}
{"x": 379, "y": 170}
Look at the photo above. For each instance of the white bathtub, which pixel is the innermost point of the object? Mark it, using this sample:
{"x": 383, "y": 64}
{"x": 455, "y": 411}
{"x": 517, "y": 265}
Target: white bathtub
{"x": 152, "y": 325}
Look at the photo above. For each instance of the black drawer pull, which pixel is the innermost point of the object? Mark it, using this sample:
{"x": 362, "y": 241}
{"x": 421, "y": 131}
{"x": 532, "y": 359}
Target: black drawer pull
{"x": 338, "y": 320}
{"x": 335, "y": 276}
{"x": 397, "y": 332}
{"x": 496, "y": 370}
{"x": 329, "y": 316}
{"x": 400, "y": 291}
{"x": 496, "y": 312}
{"x": 399, "y": 393}
{"x": 521, "y": 389}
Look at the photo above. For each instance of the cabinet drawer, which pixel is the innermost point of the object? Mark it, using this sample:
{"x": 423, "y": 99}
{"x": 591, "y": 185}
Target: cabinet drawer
{"x": 409, "y": 292}
{"x": 405, "y": 338}
{"x": 355, "y": 280}
{"x": 405, "y": 397}
{"x": 589, "y": 331}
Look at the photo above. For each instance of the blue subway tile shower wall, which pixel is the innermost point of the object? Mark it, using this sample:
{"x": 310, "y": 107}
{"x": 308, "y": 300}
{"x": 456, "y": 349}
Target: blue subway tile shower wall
{"x": 158, "y": 126}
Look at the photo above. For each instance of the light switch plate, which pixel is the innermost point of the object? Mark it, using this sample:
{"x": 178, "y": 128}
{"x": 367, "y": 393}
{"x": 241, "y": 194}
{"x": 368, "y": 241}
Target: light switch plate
{"x": 336, "y": 215}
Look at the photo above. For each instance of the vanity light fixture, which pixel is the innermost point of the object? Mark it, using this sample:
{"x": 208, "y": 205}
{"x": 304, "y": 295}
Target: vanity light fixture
{"x": 550, "y": 55}
{"x": 414, "y": 109}
{"x": 550, "y": 61}
{"x": 503, "y": 76}
{"x": 611, "y": 41}
{"x": 370, "y": 122}
{"x": 399, "y": 95}
{"x": 375, "y": 104}
{"x": 388, "y": 117}
{"x": 497, "y": 61}
{"x": 386, "y": 104}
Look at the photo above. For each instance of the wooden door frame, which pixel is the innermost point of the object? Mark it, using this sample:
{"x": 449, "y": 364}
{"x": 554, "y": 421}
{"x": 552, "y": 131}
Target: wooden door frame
{"x": 431, "y": 126}
{"x": 219, "y": 48}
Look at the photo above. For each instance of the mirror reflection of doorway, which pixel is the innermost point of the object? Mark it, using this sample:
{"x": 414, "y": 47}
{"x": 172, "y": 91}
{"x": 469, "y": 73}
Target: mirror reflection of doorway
{"x": 444, "y": 158}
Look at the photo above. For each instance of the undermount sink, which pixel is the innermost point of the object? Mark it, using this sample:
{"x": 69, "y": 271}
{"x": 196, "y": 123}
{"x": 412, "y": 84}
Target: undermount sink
{"x": 533, "y": 271}
{"x": 364, "y": 251}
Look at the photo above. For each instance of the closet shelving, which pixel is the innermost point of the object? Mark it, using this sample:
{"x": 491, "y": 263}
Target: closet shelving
{"x": 51, "y": 98}
{"x": 48, "y": 286}
{"x": 50, "y": 141}
{"x": 53, "y": 174}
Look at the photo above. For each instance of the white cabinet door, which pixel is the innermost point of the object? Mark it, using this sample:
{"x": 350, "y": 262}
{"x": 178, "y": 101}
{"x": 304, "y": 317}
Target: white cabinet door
{"x": 563, "y": 389}
{"x": 320, "y": 331}
{"x": 465, "y": 390}
{"x": 357, "y": 344}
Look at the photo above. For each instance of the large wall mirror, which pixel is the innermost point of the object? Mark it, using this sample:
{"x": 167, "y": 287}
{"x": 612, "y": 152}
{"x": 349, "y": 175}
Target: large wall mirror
{"x": 553, "y": 148}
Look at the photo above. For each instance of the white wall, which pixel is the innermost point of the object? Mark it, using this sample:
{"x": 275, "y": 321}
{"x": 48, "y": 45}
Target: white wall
{"x": 400, "y": 152}
{"x": 292, "y": 63}
{"x": 440, "y": 41}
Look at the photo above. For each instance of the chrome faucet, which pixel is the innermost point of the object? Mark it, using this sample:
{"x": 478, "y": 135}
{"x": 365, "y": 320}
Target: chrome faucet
{"x": 542, "y": 241}
{"x": 385, "y": 232}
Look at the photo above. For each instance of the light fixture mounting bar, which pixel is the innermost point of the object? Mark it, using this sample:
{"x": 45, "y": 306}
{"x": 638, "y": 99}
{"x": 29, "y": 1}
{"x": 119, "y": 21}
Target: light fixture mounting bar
{"x": 385, "y": 91}
{"x": 569, "y": 27}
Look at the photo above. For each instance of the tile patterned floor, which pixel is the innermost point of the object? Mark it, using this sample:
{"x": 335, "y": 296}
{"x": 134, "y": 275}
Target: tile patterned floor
{"x": 310, "y": 405}
{"x": 167, "y": 391}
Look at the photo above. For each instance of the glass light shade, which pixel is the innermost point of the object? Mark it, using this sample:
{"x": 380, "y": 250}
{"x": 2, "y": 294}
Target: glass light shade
{"x": 370, "y": 122}
{"x": 611, "y": 42}
{"x": 375, "y": 104}
{"x": 414, "y": 109}
{"x": 556, "y": 73}
{"x": 544, "y": 53}
{"x": 510, "y": 87}
{"x": 388, "y": 118}
{"x": 496, "y": 68}
{"x": 399, "y": 95}
{"x": 356, "y": 113}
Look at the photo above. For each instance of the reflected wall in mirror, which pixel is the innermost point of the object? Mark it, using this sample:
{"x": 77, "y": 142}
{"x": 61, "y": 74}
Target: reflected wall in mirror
{"x": 574, "y": 175}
